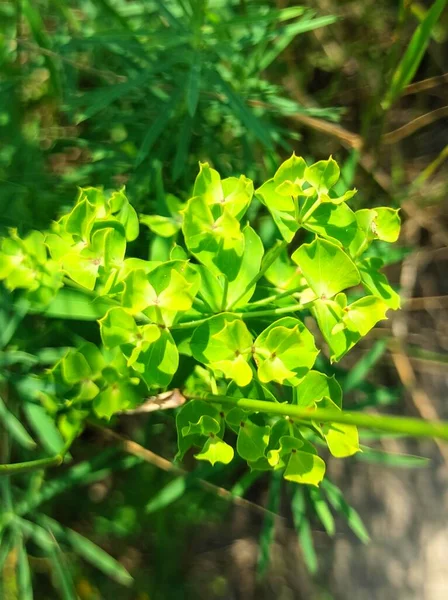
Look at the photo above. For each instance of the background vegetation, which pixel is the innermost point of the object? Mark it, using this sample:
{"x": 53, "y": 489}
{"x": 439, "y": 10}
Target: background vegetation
{"x": 117, "y": 92}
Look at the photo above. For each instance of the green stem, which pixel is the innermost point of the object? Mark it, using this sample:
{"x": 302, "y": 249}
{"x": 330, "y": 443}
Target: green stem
{"x": 401, "y": 425}
{"x": 309, "y": 212}
{"x": 224, "y": 293}
{"x": 275, "y": 297}
{"x": 270, "y": 257}
{"x": 244, "y": 315}
{"x": 40, "y": 463}
{"x": 271, "y": 312}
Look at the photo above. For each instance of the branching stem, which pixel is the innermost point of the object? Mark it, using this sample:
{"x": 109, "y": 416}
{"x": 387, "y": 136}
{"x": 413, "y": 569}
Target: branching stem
{"x": 391, "y": 424}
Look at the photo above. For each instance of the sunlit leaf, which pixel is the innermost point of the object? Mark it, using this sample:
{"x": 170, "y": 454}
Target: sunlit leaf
{"x": 326, "y": 267}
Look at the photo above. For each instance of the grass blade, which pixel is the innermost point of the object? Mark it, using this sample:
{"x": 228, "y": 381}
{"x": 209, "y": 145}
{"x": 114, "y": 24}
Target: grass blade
{"x": 246, "y": 116}
{"x": 288, "y": 33}
{"x": 183, "y": 146}
{"x": 48, "y": 544}
{"x": 302, "y": 525}
{"x": 44, "y": 427}
{"x": 268, "y": 530}
{"x": 157, "y": 127}
{"x": 413, "y": 55}
{"x": 194, "y": 84}
{"x": 362, "y": 368}
{"x": 89, "y": 551}
{"x": 339, "y": 503}
{"x": 322, "y": 510}
{"x": 103, "y": 97}
{"x": 245, "y": 482}
{"x": 62, "y": 575}
{"x": 15, "y": 428}
{"x": 21, "y": 308}
{"x": 392, "y": 459}
{"x": 167, "y": 495}
{"x": 24, "y": 573}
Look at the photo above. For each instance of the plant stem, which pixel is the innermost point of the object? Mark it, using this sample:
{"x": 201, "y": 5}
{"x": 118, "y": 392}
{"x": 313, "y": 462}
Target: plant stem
{"x": 392, "y": 424}
{"x": 224, "y": 293}
{"x": 40, "y": 463}
{"x": 244, "y": 315}
{"x": 311, "y": 210}
{"x": 271, "y": 312}
{"x": 275, "y": 297}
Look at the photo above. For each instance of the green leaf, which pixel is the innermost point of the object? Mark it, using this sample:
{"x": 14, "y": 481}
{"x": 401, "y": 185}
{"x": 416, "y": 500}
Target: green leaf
{"x": 44, "y": 427}
{"x": 83, "y": 267}
{"x": 302, "y": 525}
{"x": 316, "y": 386}
{"x": 194, "y": 84}
{"x": 75, "y": 367}
{"x": 329, "y": 316}
{"x": 252, "y": 440}
{"x": 192, "y": 412}
{"x": 342, "y": 439}
{"x": 215, "y": 239}
{"x": 183, "y": 146}
{"x": 161, "y": 293}
{"x": 381, "y": 223}
{"x": 215, "y": 450}
{"x": 413, "y": 55}
{"x": 204, "y": 426}
{"x": 158, "y": 126}
{"x": 268, "y": 530}
{"x": 241, "y": 111}
{"x": 392, "y": 459}
{"x": 208, "y": 184}
{"x": 89, "y": 551}
{"x": 290, "y": 176}
{"x": 339, "y": 503}
{"x": 322, "y": 510}
{"x": 322, "y": 175}
{"x": 377, "y": 283}
{"x": 362, "y": 315}
{"x": 335, "y": 222}
{"x": 117, "y": 327}
{"x": 224, "y": 343}
{"x": 24, "y": 580}
{"x": 281, "y": 207}
{"x": 364, "y": 365}
{"x": 158, "y": 361}
{"x": 114, "y": 398}
{"x": 284, "y": 351}
{"x": 171, "y": 492}
{"x": 237, "y": 193}
{"x": 74, "y": 304}
{"x": 327, "y": 269}
{"x": 15, "y": 428}
{"x": 163, "y": 226}
{"x": 239, "y": 290}
{"x": 288, "y": 33}
{"x": 304, "y": 467}
{"x": 283, "y": 273}
{"x": 386, "y": 224}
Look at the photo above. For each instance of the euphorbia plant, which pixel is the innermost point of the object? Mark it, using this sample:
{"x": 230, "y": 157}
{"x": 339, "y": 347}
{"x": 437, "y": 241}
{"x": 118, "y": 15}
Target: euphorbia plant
{"x": 242, "y": 316}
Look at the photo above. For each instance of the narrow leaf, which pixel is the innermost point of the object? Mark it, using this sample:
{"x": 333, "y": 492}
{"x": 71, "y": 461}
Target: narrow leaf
{"x": 15, "y": 428}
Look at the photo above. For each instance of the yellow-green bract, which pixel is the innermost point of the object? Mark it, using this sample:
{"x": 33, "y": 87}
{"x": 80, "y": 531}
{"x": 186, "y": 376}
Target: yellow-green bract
{"x": 221, "y": 315}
